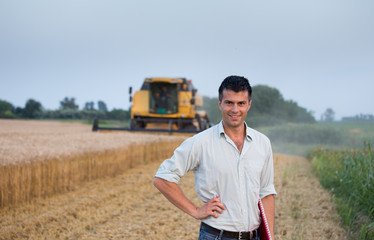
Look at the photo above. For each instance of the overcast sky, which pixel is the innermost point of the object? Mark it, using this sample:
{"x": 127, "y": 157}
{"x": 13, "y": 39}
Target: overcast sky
{"x": 318, "y": 53}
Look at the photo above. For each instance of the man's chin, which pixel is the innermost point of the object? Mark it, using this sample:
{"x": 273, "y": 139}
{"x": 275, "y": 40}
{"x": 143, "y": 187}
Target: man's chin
{"x": 234, "y": 124}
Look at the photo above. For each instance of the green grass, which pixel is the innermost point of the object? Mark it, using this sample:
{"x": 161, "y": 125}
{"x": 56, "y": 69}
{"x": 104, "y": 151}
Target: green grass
{"x": 112, "y": 123}
{"x": 342, "y": 165}
{"x": 349, "y": 175}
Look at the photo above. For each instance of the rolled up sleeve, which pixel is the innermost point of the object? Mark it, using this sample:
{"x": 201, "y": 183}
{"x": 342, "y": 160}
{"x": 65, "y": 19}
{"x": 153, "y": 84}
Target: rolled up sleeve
{"x": 267, "y": 175}
{"x": 182, "y": 161}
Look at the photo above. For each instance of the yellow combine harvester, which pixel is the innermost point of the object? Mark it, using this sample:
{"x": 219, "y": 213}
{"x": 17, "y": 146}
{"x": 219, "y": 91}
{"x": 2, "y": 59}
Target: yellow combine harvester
{"x": 165, "y": 105}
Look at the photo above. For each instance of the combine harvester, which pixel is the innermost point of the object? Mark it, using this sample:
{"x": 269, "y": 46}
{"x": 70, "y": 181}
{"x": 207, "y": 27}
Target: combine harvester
{"x": 165, "y": 105}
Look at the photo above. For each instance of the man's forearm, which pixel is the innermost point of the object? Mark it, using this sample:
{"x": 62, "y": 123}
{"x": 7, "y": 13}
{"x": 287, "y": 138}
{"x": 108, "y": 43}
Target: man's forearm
{"x": 268, "y": 203}
{"x": 175, "y": 195}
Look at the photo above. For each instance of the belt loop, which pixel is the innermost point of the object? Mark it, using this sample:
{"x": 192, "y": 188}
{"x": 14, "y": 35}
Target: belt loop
{"x": 220, "y": 235}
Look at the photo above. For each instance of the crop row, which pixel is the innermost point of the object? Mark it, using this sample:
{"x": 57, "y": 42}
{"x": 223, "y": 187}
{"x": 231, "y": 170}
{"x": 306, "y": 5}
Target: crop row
{"x": 349, "y": 175}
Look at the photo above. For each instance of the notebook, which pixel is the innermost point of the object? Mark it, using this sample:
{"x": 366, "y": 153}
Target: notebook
{"x": 264, "y": 226}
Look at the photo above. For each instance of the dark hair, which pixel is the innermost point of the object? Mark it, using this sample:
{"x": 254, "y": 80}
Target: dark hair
{"x": 236, "y": 84}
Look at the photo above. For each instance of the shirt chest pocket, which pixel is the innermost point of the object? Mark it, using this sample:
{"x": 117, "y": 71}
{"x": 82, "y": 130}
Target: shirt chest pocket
{"x": 252, "y": 167}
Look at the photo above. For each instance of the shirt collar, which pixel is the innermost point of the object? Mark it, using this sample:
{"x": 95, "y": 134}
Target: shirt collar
{"x": 221, "y": 131}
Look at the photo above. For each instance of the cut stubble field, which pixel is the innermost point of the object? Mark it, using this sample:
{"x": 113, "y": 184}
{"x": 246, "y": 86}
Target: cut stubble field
{"x": 127, "y": 206}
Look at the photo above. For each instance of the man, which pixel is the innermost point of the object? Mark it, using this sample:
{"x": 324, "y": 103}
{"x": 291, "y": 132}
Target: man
{"x": 233, "y": 168}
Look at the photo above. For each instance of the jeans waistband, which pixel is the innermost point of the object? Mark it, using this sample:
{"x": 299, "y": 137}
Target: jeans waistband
{"x": 228, "y": 234}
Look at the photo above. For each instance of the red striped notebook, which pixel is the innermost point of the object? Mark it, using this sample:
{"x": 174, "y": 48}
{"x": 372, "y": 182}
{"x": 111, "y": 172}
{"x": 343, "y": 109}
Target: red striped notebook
{"x": 264, "y": 226}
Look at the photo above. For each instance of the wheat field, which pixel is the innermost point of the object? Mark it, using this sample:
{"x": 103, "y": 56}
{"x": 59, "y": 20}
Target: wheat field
{"x": 28, "y": 141}
{"x": 40, "y": 158}
{"x": 127, "y": 206}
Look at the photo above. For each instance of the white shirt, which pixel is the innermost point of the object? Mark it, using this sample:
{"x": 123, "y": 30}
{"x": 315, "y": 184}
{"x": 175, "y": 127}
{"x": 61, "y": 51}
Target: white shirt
{"x": 238, "y": 179}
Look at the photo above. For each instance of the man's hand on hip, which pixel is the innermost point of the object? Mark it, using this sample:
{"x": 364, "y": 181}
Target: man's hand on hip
{"x": 210, "y": 208}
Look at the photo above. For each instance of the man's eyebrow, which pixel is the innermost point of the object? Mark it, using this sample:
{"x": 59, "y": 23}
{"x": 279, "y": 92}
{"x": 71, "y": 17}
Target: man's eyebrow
{"x": 229, "y": 101}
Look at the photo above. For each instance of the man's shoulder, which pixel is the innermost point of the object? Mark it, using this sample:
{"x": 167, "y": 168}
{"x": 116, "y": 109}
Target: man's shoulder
{"x": 200, "y": 139}
{"x": 204, "y": 136}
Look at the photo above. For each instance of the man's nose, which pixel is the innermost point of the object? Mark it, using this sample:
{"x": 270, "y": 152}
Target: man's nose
{"x": 234, "y": 107}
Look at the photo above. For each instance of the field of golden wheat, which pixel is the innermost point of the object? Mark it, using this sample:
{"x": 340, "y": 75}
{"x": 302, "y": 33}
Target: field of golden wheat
{"x": 41, "y": 158}
{"x": 125, "y": 205}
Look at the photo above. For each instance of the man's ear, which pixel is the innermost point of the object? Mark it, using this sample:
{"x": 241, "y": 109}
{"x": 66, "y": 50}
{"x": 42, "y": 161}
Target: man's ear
{"x": 250, "y": 104}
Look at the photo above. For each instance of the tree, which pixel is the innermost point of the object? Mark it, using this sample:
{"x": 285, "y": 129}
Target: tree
{"x": 6, "y": 109}
{"x": 211, "y": 108}
{"x": 265, "y": 99}
{"x": 68, "y": 103}
{"x": 295, "y": 113}
{"x": 328, "y": 115}
{"x": 119, "y": 114}
{"x": 18, "y": 111}
{"x": 270, "y": 108}
{"x": 102, "y": 106}
{"x": 89, "y": 106}
{"x": 32, "y": 109}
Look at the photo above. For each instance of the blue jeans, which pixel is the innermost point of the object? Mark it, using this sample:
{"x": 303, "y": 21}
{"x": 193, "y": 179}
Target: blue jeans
{"x": 207, "y": 236}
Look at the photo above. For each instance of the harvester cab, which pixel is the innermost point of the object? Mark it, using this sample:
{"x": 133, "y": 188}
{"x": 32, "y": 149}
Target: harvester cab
{"x": 163, "y": 98}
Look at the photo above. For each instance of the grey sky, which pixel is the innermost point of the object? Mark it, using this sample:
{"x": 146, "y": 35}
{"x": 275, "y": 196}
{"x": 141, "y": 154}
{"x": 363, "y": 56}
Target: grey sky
{"x": 318, "y": 53}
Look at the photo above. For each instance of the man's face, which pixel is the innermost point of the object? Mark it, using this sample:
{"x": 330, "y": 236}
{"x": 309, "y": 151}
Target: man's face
{"x": 234, "y": 107}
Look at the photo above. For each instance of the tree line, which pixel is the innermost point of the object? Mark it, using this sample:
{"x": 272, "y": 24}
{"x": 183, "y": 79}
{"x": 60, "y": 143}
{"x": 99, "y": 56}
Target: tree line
{"x": 268, "y": 108}
{"x": 359, "y": 118}
{"x": 68, "y": 110}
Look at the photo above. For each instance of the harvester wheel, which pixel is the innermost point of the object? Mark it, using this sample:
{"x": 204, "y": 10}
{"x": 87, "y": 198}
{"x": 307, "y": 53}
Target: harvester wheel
{"x": 95, "y": 125}
{"x": 189, "y": 126}
{"x": 140, "y": 124}
{"x": 136, "y": 124}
